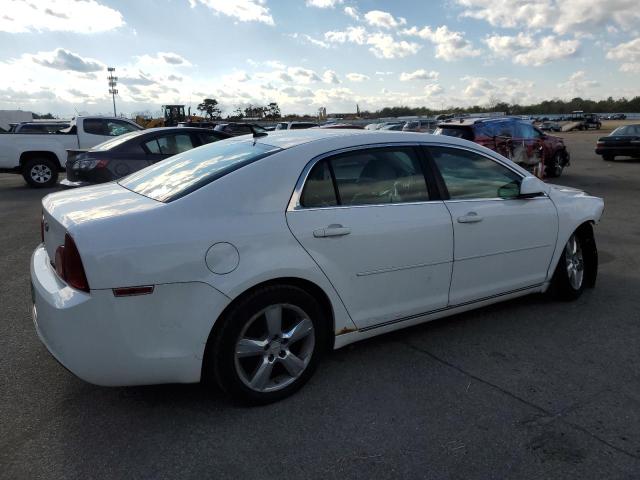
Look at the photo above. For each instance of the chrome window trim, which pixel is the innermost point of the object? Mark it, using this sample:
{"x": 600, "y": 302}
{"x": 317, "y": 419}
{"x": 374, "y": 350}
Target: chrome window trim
{"x": 294, "y": 201}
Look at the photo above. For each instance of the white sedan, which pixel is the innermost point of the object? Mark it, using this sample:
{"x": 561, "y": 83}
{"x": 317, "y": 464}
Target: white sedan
{"x": 242, "y": 260}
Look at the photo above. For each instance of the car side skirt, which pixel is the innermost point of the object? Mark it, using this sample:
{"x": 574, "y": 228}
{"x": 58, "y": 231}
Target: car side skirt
{"x": 374, "y": 330}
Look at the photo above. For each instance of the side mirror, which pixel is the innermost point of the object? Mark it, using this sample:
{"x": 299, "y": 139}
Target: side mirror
{"x": 531, "y": 187}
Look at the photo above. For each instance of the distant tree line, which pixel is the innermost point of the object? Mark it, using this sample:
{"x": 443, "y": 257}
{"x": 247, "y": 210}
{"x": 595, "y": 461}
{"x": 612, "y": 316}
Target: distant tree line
{"x": 210, "y": 108}
{"x": 558, "y": 106}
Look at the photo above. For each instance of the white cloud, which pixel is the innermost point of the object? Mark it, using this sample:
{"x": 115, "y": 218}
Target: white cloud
{"x": 378, "y": 18}
{"x": 236, "y": 77}
{"x": 481, "y": 90}
{"x": 78, "y": 16}
{"x": 352, "y": 12}
{"x": 433, "y": 89}
{"x": 562, "y": 16}
{"x": 309, "y": 39}
{"x": 578, "y": 84}
{"x": 163, "y": 59}
{"x": 525, "y": 50}
{"x": 323, "y": 3}
{"x": 62, "y": 59}
{"x": 450, "y": 45}
{"x": 420, "y": 74}
{"x": 242, "y": 10}
{"x": 629, "y": 54}
{"x": 385, "y": 46}
{"x": 356, "y": 77}
{"x": 356, "y": 35}
{"x": 329, "y": 76}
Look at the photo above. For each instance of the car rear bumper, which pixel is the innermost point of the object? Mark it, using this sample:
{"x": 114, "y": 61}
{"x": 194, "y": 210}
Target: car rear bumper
{"x": 117, "y": 341}
{"x": 622, "y": 151}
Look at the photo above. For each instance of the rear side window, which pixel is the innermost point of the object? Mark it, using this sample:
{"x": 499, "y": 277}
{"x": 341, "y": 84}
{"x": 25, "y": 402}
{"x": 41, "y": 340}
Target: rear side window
{"x": 319, "y": 190}
{"x": 94, "y": 126}
{"x": 115, "y": 128}
{"x": 207, "y": 138}
{"x": 367, "y": 177}
{"x": 189, "y": 171}
{"x": 170, "y": 144}
{"x": 469, "y": 175}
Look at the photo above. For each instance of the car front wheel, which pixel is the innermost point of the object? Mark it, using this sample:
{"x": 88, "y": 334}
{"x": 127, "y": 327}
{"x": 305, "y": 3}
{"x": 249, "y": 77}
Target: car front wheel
{"x": 268, "y": 345}
{"x": 569, "y": 278}
{"x": 555, "y": 166}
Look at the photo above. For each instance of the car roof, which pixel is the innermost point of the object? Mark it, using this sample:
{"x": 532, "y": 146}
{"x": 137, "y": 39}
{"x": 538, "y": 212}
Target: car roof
{"x": 291, "y": 138}
{"x": 176, "y": 129}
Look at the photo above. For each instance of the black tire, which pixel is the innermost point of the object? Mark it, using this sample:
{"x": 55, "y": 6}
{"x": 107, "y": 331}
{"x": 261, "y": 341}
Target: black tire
{"x": 222, "y": 364}
{"x": 555, "y": 167}
{"x": 608, "y": 158}
{"x": 40, "y": 172}
{"x": 563, "y": 287}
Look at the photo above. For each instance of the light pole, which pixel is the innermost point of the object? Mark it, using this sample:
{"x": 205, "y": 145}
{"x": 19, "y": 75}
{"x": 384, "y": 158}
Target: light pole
{"x": 113, "y": 82}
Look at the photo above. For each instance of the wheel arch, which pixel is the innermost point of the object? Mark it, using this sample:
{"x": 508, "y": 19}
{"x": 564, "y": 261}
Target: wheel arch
{"x": 31, "y": 154}
{"x": 310, "y": 287}
{"x": 590, "y": 251}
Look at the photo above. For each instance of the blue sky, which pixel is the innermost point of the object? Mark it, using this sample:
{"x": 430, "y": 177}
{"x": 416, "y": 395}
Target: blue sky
{"x": 306, "y": 54}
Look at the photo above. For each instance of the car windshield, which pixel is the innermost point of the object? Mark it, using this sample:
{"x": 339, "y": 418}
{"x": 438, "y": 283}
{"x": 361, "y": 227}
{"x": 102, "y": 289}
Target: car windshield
{"x": 119, "y": 140}
{"x": 188, "y": 171}
{"x": 627, "y": 130}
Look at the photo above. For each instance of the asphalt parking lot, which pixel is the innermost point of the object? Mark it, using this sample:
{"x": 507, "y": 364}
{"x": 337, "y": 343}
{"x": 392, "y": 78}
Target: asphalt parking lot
{"x": 526, "y": 389}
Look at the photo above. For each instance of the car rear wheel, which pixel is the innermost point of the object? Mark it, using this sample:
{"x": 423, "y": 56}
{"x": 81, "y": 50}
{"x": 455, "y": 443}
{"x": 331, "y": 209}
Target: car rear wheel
{"x": 268, "y": 345}
{"x": 556, "y": 166}
{"x": 568, "y": 281}
{"x": 40, "y": 172}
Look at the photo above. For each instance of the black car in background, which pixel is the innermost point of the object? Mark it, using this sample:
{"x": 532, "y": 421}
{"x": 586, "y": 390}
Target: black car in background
{"x": 622, "y": 142}
{"x": 133, "y": 151}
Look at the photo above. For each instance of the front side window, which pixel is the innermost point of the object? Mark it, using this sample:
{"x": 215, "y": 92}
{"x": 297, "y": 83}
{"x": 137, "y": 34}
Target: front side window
{"x": 367, "y": 177}
{"x": 118, "y": 127}
{"x": 469, "y": 175}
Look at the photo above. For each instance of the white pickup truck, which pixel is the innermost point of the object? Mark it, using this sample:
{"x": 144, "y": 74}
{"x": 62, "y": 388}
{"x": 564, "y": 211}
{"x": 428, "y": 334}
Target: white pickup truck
{"x": 39, "y": 157}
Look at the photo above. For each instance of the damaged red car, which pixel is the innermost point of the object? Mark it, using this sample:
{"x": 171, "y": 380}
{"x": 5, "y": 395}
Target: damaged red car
{"x": 518, "y": 140}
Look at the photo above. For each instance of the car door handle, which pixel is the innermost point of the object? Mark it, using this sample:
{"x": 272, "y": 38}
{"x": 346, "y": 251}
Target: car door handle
{"x": 471, "y": 217}
{"x": 332, "y": 231}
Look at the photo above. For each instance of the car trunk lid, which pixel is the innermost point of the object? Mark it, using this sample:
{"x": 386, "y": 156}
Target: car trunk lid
{"x": 64, "y": 212}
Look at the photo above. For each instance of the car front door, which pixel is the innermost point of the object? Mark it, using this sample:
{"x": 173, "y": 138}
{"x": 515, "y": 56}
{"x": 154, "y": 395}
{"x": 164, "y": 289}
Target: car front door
{"x": 367, "y": 219}
{"x": 502, "y": 243}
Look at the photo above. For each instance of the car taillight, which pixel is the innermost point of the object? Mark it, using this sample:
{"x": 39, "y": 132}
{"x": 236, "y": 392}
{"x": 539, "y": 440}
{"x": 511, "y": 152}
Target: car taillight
{"x": 69, "y": 265}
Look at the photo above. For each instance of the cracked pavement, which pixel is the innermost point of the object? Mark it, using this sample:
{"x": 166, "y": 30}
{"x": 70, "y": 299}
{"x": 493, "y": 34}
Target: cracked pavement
{"x": 527, "y": 389}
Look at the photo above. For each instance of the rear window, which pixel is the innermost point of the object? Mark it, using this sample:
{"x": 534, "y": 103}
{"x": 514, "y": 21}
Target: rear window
{"x": 459, "y": 132}
{"x": 110, "y": 144}
{"x": 187, "y": 172}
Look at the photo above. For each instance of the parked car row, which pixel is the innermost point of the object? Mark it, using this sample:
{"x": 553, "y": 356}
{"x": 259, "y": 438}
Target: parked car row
{"x": 40, "y": 157}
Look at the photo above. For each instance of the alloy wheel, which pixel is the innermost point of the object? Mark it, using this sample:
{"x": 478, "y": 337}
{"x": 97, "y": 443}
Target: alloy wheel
{"x": 40, "y": 173}
{"x": 274, "y": 348}
{"x": 574, "y": 262}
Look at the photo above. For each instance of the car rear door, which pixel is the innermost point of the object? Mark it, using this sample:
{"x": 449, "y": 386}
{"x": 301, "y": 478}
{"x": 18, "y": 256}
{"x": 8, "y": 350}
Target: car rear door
{"x": 367, "y": 219}
{"x": 502, "y": 243}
